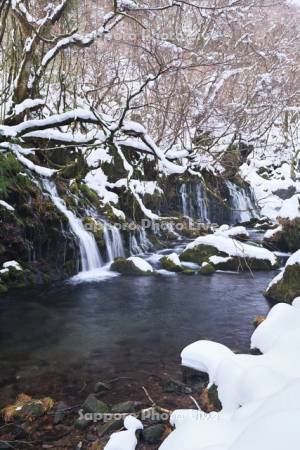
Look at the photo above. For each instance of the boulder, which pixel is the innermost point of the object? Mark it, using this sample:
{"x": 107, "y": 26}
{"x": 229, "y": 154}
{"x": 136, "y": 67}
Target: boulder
{"x": 132, "y": 266}
{"x": 207, "y": 269}
{"x": 94, "y": 406}
{"x": 285, "y": 287}
{"x": 154, "y": 434}
{"x": 231, "y": 254}
{"x": 171, "y": 263}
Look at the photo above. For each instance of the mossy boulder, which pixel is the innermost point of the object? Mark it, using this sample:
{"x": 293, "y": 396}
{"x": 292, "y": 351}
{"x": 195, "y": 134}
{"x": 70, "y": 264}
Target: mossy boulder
{"x": 200, "y": 253}
{"x": 290, "y": 234}
{"x": 171, "y": 263}
{"x": 131, "y": 266}
{"x": 286, "y": 286}
{"x": 188, "y": 272}
{"x": 207, "y": 269}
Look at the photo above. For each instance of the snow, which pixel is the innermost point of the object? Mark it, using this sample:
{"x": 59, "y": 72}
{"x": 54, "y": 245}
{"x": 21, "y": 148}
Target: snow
{"x": 125, "y": 440}
{"x": 6, "y": 205}
{"x": 219, "y": 259}
{"x": 141, "y": 264}
{"x": 174, "y": 258}
{"x": 290, "y": 209}
{"x": 296, "y": 302}
{"x": 233, "y": 247}
{"x": 259, "y": 393}
{"x": 13, "y": 264}
{"x": 28, "y": 104}
{"x": 270, "y": 233}
{"x": 231, "y": 232}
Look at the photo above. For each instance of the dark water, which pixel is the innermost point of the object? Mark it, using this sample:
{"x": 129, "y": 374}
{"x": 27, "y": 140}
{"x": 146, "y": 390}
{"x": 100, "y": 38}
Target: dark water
{"x": 127, "y": 323}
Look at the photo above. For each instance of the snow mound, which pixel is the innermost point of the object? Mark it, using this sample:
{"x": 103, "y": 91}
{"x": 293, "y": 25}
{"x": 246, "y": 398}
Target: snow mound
{"x": 125, "y": 440}
{"x": 6, "y": 205}
{"x": 259, "y": 393}
{"x": 232, "y": 232}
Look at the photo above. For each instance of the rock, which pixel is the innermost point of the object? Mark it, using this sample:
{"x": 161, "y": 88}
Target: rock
{"x": 207, "y": 269}
{"x": 82, "y": 423}
{"x": 109, "y": 427}
{"x": 210, "y": 399}
{"x": 285, "y": 194}
{"x": 3, "y": 288}
{"x": 132, "y": 266}
{"x": 171, "y": 263}
{"x": 290, "y": 237}
{"x": 101, "y": 387}
{"x": 154, "y": 434}
{"x": 228, "y": 254}
{"x": 258, "y": 320}
{"x": 188, "y": 272}
{"x": 274, "y": 239}
{"x": 60, "y": 413}
{"x": 125, "y": 407}
{"x": 172, "y": 386}
{"x": 95, "y": 406}
{"x": 286, "y": 285}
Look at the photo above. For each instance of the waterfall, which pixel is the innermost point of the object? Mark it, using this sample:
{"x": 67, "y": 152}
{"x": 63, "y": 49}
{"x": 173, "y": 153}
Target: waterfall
{"x": 140, "y": 243}
{"x": 194, "y": 202}
{"x": 90, "y": 256}
{"x": 243, "y": 206}
{"x": 113, "y": 242}
{"x": 184, "y": 200}
{"x": 201, "y": 205}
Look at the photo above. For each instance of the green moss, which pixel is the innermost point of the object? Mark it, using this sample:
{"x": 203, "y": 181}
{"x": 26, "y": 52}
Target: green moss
{"x": 89, "y": 194}
{"x": 288, "y": 288}
{"x": 167, "y": 264}
{"x": 207, "y": 269}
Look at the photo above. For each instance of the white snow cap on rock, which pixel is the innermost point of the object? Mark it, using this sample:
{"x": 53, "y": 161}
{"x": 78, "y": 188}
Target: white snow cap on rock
{"x": 141, "y": 264}
{"x": 125, "y": 440}
{"x": 174, "y": 258}
{"x": 293, "y": 259}
{"x": 233, "y": 247}
{"x": 259, "y": 393}
{"x": 13, "y": 264}
{"x": 231, "y": 232}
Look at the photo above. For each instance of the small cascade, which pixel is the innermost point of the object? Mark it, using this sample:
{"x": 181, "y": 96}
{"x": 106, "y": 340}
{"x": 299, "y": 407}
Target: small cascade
{"x": 90, "y": 256}
{"x": 139, "y": 243}
{"x": 243, "y": 206}
{"x": 113, "y": 242}
{"x": 194, "y": 201}
{"x": 184, "y": 200}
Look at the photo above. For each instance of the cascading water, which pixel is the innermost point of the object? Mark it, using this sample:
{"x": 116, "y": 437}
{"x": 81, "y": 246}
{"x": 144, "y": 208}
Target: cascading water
{"x": 90, "y": 256}
{"x": 243, "y": 206}
{"x": 113, "y": 241}
{"x": 139, "y": 243}
{"x": 194, "y": 202}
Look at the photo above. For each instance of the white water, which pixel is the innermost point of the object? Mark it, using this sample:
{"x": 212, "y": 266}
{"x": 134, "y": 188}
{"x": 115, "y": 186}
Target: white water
{"x": 90, "y": 256}
{"x": 113, "y": 241}
{"x": 194, "y": 202}
{"x": 243, "y": 206}
{"x": 139, "y": 243}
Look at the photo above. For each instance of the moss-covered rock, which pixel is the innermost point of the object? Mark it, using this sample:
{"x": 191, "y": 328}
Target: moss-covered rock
{"x": 207, "y": 269}
{"x": 189, "y": 272}
{"x": 131, "y": 266}
{"x": 200, "y": 254}
{"x": 171, "y": 263}
{"x": 286, "y": 286}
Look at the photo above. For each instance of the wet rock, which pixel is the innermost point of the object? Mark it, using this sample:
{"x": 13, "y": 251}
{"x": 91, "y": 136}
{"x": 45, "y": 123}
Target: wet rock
{"x": 109, "y": 427}
{"x": 3, "y": 288}
{"x": 188, "y": 272}
{"x": 60, "y": 413}
{"x": 94, "y": 406}
{"x": 101, "y": 387}
{"x": 286, "y": 286}
{"x": 207, "y": 269}
{"x": 171, "y": 263}
{"x": 81, "y": 423}
{"x": 154, "y": 434}
{"x": 172, "y": 386}
{"x": 125, "y": 407}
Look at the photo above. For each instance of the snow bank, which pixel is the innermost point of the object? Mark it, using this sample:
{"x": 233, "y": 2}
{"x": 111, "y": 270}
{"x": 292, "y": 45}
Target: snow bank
{"x": 270, "y": 233}
{"x": 290, "y": 208}
{"x": 259, "y": 394}
{"x": 233, "y": 247}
